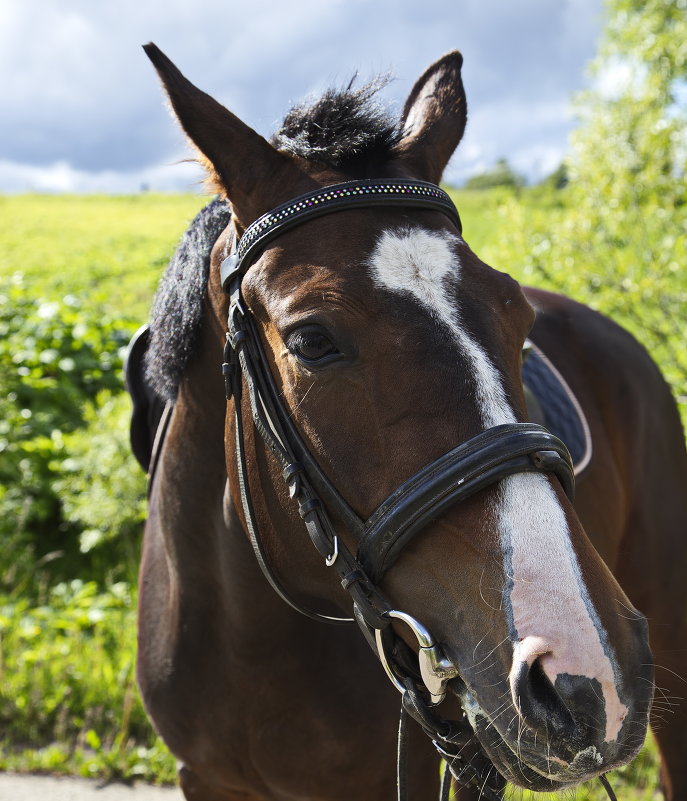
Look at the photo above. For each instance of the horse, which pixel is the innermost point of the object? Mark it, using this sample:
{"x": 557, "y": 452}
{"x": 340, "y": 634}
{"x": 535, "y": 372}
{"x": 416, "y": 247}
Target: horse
{"x": 370, "y": 404}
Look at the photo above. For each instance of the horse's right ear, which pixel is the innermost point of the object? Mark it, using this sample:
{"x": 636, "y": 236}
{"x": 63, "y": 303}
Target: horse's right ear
{"x": 241, "y": 164}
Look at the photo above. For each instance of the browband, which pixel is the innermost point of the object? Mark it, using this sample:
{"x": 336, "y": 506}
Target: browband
{"x": 353, "y": 194}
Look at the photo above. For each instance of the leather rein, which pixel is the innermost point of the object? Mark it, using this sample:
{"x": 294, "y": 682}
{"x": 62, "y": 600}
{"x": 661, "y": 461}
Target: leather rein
{"x": 480, "y": 462}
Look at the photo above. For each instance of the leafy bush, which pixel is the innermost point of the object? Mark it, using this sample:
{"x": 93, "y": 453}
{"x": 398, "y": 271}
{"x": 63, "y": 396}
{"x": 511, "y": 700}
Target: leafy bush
{"x": 101, "y": 488}
{"x": 72, "y": 498}
{"x": 55, "y": 357}
{"x": 68, "y": 686}
{"x": 502, "y": 174}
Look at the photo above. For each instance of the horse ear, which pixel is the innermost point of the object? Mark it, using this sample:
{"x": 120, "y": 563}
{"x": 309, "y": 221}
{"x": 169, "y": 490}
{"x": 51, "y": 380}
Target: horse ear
{"x": 240, "y": 163}
{"x": 434, "y": 118}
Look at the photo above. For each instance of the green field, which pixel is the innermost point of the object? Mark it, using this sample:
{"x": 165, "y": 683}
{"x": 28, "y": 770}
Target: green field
{"x": 111, "y": 250}
{"x": 77, "y": 277}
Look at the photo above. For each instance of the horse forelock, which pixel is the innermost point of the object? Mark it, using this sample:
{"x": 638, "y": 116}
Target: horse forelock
{"x": 346, "y": 129}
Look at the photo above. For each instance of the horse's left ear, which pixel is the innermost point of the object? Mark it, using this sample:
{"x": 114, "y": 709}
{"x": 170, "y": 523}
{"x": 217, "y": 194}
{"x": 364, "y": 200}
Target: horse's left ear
{"x": 434, "y": 118}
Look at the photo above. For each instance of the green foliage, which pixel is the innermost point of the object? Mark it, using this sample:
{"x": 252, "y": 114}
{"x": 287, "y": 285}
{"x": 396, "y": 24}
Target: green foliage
{"x": 67, "y": 312}
{"x": 67, "y": 686}
{"x": 502, "y": 174}
{"x": 628, "y": 173}
{"x": 631, "y": 148}
{"x": 101, "y": 490}
{"x": 559, "y": 178}
{"x": 72, "y": 498}
{"x": 55, "y": 356}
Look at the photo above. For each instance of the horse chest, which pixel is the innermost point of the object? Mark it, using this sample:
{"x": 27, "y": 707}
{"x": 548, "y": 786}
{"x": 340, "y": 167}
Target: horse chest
{"x": 256, "y": 719}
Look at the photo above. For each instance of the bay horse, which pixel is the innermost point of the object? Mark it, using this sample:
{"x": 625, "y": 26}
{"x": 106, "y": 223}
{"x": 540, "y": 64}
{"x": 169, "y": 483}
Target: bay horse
{"x": 373, "y": 407}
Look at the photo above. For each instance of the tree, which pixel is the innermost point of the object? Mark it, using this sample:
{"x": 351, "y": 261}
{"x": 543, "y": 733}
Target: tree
{"x": 502, "y": 174}
{"x": 617, "y": 240}
{"x": 632, "y": 146}
{"x": 628, "y": 171}
{"x": 559, "y": 178}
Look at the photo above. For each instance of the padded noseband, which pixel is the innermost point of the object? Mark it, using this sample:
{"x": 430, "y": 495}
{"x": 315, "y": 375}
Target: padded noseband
{"x": 474, "y": 465}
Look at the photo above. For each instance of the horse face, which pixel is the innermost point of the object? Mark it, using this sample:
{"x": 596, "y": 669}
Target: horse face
{"x": 555, "y": 653}
{"x": 389, "y": 354}
{"x": 391, "y": 343}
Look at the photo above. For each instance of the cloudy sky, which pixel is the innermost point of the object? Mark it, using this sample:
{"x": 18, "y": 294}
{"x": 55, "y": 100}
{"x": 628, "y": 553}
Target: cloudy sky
{"x": 81, "y": 108}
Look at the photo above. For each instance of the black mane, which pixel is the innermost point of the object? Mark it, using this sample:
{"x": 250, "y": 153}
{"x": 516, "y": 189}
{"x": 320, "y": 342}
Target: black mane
{"x": 178, "y": 306}
{"x": 345, "y": 129}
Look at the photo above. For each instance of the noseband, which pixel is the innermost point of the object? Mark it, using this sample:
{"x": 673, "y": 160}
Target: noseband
{"x": 480, "y": 462}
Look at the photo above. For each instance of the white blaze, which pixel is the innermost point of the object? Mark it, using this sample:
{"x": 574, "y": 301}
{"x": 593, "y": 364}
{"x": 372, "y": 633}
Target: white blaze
{"x": 553, "y": 616}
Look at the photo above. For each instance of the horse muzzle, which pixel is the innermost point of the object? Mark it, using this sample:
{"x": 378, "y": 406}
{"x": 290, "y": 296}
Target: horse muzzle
{"x": 561, "y": 730}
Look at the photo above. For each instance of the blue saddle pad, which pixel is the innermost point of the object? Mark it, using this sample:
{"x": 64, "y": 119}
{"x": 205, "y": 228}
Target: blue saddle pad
{"x": 557, "y": 406}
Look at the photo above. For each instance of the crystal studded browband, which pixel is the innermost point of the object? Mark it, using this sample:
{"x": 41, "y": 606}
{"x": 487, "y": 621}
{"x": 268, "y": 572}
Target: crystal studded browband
{"x": 353, "y": 194}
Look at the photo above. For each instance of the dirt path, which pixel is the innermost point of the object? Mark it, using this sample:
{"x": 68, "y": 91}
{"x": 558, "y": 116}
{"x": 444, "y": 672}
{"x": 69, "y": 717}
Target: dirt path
{"x": 14, "y": 787}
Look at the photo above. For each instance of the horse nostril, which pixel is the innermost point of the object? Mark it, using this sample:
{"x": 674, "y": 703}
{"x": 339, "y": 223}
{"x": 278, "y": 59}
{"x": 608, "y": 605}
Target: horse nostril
{"x": 538, "y": 701}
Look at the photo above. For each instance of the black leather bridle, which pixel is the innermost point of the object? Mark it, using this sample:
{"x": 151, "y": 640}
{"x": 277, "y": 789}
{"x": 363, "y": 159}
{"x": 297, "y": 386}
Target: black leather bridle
{"x": 469, "y": 467}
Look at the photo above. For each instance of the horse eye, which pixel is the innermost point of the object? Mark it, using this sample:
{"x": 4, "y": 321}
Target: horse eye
{"x": 313, "y": 347}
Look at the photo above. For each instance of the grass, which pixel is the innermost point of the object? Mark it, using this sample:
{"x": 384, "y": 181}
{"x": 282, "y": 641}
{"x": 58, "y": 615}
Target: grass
{"x": 112, "y": 249}
{"x": 69, "y": 702}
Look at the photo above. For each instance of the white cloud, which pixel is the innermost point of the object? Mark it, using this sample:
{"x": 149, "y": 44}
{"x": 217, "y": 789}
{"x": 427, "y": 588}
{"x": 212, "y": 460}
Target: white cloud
{"x": 536, "y": 137}
{"x": 62, "y": 177}
{"x": 81, "y": 93}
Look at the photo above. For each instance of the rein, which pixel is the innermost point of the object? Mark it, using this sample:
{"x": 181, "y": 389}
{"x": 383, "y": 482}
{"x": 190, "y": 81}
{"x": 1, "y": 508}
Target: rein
{"x": 480, "y": 462}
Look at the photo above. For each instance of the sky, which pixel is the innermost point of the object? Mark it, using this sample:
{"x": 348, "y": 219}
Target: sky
{"x": 81, "y": 109}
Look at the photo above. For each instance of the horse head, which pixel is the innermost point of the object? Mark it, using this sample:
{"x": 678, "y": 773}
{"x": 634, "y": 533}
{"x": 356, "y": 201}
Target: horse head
{"x": 390, "y": 343}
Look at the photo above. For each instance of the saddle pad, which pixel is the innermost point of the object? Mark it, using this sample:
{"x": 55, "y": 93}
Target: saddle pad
{"x": 555, "y": 406}
{"x": 150, "y": 413}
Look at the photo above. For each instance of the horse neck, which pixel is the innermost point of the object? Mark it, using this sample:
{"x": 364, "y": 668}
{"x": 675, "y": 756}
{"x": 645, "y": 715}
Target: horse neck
{"x": 212, "y": 566}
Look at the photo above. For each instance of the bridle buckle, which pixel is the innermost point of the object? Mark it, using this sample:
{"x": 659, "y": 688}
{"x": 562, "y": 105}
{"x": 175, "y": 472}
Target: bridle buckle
{"x": 334, "y": 555}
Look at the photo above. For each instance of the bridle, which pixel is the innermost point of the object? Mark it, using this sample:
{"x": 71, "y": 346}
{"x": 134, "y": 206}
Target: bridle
{"x": 471, "y": 466}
